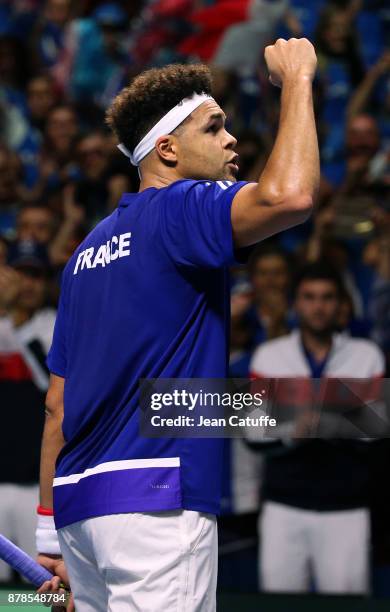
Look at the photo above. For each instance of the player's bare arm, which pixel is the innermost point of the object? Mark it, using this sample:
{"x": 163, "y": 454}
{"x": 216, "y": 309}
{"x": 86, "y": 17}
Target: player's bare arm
{"x": 52, "y": 443}
{"x": 286, "y": 189}
{"x": 53, "y": 440}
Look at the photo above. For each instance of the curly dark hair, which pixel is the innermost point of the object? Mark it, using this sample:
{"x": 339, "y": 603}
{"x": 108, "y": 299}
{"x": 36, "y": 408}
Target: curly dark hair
{"x": 150, "y": 96}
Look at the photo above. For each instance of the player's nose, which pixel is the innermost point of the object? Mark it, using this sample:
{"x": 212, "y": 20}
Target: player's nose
{"x": 231, "y": 141}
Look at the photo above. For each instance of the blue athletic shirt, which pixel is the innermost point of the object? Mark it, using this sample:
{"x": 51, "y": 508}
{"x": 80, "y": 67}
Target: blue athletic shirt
{"x": 146, "y": 295}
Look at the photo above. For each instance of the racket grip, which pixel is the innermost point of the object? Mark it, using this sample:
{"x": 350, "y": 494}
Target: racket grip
{"x": 23, "y": 563}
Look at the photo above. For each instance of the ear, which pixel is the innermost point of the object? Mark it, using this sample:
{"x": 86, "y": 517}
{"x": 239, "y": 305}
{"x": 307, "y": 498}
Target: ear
{"x": 166, "y": 147}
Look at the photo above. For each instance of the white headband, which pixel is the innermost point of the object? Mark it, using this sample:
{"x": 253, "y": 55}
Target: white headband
{"x": 166, "y": 125}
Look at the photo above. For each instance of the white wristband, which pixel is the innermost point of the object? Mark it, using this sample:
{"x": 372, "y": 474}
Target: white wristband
{"x": 46, "y": 536}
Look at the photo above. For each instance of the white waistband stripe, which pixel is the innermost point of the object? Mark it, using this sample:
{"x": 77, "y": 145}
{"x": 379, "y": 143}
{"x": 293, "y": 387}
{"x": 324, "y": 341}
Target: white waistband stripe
{"x": 113, "y": 466}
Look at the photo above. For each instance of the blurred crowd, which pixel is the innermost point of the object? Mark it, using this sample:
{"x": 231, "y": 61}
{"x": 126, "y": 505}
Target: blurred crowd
{"x": 61, "y": 64}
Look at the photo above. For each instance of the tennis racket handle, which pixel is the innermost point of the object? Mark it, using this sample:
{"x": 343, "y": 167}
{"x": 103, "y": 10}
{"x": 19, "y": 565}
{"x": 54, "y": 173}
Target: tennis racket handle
{"x": 23, "y": 563}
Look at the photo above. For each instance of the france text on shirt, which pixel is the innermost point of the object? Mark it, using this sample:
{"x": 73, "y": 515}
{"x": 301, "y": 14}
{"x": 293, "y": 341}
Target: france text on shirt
{"x": 116, "y": 247}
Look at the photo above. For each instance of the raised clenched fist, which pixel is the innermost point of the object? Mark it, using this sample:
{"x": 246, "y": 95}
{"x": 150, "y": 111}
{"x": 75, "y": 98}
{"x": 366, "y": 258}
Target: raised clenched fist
{"x": 290, "y": 59}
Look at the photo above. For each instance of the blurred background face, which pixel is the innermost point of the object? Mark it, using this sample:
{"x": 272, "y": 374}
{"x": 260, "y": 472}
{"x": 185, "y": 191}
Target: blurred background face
{"x": 40, "y": 97}
{"x": 33, "y": 289}
{"x": 270, "y": 274}
{"x": 61, "y": 128}
{"x": 8, "y": 61}
{"x": 35, "y": 224}
{"x": 362, "y": 137}
{"x": 335, "y": 33}
{"x": 9, "y": 176}
{"x": 317, "y": 305}
{"x": 93, "y": 155}
{"x": 57, "y": 11}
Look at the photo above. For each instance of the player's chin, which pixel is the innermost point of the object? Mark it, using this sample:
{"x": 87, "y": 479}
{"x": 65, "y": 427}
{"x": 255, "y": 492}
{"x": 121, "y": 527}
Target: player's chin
{"x": 230, "y": 173}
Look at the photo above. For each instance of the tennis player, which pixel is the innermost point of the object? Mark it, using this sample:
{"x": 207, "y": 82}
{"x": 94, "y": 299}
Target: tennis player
{"x": 145, "y": 296}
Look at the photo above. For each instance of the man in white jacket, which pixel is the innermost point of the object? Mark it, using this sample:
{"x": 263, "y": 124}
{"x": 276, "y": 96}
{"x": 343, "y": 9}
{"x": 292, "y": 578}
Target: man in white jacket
{"x": 315, "y": 519}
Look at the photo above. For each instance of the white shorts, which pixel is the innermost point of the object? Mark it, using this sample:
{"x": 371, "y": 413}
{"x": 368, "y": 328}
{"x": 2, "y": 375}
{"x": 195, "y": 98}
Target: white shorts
{"x": 331, "y": 547}
{"x": 143, "y": 562}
